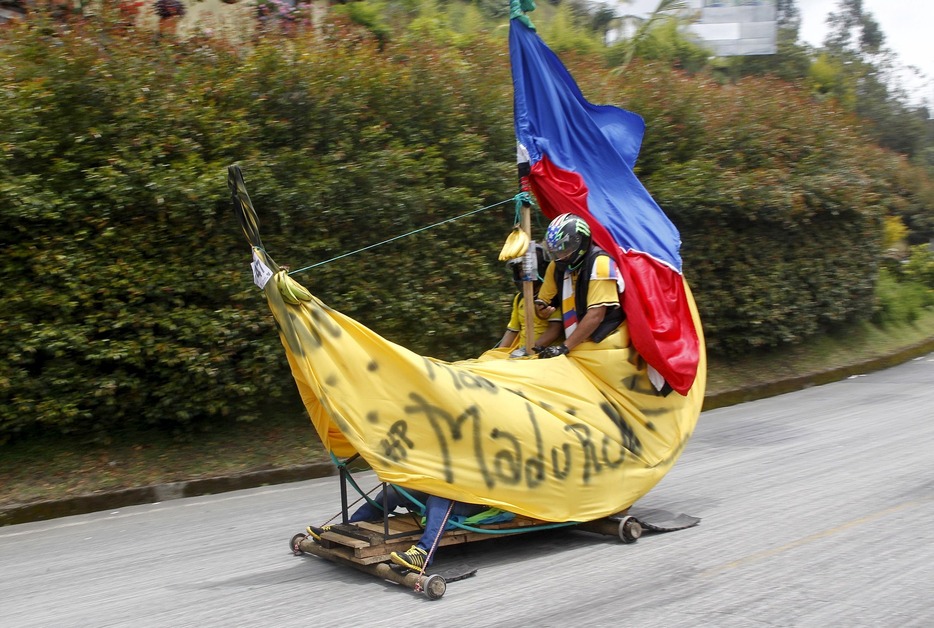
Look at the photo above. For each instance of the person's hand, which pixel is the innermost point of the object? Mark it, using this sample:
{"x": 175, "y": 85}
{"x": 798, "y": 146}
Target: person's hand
{"x": 542, "y": 309}
{"x": 553, "y": 352}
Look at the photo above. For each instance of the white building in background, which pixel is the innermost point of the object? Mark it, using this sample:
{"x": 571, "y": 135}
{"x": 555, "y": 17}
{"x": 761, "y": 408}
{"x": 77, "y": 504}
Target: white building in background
{"x": 738, "y": 27}
{"x": 728, "y": 27}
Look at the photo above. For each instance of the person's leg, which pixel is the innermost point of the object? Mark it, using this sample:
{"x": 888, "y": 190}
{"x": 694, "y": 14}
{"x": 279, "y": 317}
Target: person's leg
{"x": 437, "y": 511}
{"x": 371, "y": 512}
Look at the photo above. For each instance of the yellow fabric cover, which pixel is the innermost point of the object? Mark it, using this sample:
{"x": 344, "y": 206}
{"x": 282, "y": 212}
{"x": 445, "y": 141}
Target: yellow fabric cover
{"x": 571, "y": 438}
{"x": 565, "y": 439}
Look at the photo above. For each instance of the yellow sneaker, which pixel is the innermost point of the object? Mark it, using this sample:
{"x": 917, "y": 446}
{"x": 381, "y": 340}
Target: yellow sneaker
{"x": 315, "y": 532}
{"x": 414, "y": 558}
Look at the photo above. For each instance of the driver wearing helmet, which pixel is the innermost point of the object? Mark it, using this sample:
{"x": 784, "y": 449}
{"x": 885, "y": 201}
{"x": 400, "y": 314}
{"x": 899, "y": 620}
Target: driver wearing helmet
{"x": 583, "y": 283}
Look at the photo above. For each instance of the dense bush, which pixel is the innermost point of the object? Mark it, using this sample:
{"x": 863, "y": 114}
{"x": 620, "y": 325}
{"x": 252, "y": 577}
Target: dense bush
{"x": 899, "y": 301}
{"x": 779, "y": 201}
{"x": 127, "y": 294}
{"x": 905, "y": 287}
{"x": 919, "y": 267}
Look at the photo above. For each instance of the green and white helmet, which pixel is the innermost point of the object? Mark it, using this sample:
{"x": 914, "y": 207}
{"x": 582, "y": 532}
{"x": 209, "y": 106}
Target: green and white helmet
{"x": 568, "y": 239}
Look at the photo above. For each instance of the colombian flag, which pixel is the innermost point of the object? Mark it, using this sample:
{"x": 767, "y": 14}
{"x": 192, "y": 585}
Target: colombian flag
{"x": 581, "y": 157}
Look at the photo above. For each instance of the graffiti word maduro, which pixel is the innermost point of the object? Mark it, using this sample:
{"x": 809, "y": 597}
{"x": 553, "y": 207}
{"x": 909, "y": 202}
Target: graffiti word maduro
{"x": 513, "y": 462}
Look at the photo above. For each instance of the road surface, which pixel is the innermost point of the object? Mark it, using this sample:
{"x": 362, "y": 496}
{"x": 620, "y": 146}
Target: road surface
{"x": 816, "y": 506}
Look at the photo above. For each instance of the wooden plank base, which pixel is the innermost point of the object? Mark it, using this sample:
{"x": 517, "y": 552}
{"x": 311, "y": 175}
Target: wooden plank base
{"x": 366, "y": 543}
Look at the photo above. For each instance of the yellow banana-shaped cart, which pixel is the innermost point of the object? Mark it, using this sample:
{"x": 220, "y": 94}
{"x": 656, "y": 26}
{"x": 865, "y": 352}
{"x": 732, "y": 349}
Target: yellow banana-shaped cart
{"x": 574, "y": 440}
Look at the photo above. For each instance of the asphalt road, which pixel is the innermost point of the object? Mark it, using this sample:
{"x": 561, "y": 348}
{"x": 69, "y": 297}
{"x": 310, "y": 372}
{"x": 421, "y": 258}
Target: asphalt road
{"x": 816, "y": 508}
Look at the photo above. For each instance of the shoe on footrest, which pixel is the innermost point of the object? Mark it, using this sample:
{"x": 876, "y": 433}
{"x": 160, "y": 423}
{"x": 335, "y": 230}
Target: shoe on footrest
{"x": 414, "y": 558}
{"x": 315, "y": 532}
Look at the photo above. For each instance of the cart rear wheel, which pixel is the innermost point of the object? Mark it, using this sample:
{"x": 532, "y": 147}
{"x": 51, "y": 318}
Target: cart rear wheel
{"x": 294, "y": 543}
{"x": 629, "y": 530}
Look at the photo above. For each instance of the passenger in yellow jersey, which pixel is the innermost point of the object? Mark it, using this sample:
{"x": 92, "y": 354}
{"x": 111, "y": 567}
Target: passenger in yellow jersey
{"x": 515, "y": 335}
{"x": 583, "y": 283}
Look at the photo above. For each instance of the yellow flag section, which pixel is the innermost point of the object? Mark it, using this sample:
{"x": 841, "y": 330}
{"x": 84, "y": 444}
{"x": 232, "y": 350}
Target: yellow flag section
{"x": 572, "y": 438}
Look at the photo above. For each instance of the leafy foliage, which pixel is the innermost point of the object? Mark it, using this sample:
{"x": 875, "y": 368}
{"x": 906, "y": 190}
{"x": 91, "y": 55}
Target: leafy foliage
{"x": 664, "y": 43}
{"x": 779, "y": 204}
{"x": 127, "y": 304}
{"x": 920, "y": 266}
{"x": 899, "y": 301}
{"x": 566, "y": 32}
{"x": 127, "y": 292}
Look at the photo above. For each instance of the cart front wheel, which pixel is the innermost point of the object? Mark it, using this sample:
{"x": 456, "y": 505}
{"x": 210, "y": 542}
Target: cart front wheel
{"x": 629, "y": 530}
{"x": 434, "y": 587}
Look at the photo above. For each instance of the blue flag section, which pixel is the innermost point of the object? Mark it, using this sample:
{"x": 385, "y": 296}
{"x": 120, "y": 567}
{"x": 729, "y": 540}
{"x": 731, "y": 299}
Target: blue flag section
{"x": 582, "y": 157}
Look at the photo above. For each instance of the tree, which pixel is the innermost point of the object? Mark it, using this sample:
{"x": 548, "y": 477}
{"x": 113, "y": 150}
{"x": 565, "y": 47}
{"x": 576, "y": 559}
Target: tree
{"x": 788, "y": 15}
{"x": 858, "y": 70}
{"x": 603, "y": 19}
{"x": 853, "y": 30}
{"x": 662, "y": 26}
{"x": 567, "y": 32}
{"x": 791, "y": 61}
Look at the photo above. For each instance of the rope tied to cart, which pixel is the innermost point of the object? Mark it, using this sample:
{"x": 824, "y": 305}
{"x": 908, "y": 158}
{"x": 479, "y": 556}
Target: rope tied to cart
{"x": 519, "y": 198}
{"x": 434, "y": 546}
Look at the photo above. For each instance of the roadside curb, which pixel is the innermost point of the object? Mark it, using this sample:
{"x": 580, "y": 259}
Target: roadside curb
{"x": 800, "y": 382}
{"x": 83, "y": 504}
{"x": 108, "y": 500}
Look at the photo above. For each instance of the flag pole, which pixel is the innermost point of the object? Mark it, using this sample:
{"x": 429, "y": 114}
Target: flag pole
{"x": 530, "y": 264}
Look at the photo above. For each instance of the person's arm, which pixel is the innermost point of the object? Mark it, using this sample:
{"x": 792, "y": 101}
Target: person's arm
{"x": 602, "y": 293}
{"x": 508, "y": 338}
{"x": 552, "y": 333}
{"x": 586, "y": 326}
{"x": 514, "y": 325}
{"x": 546, "y": 293}
{"x": 581, "y": 333}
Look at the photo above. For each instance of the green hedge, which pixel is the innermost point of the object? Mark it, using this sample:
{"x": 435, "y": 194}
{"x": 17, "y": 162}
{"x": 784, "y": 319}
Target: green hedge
{"x": 779, "y": 202}
{"x": 128, "y": 300}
